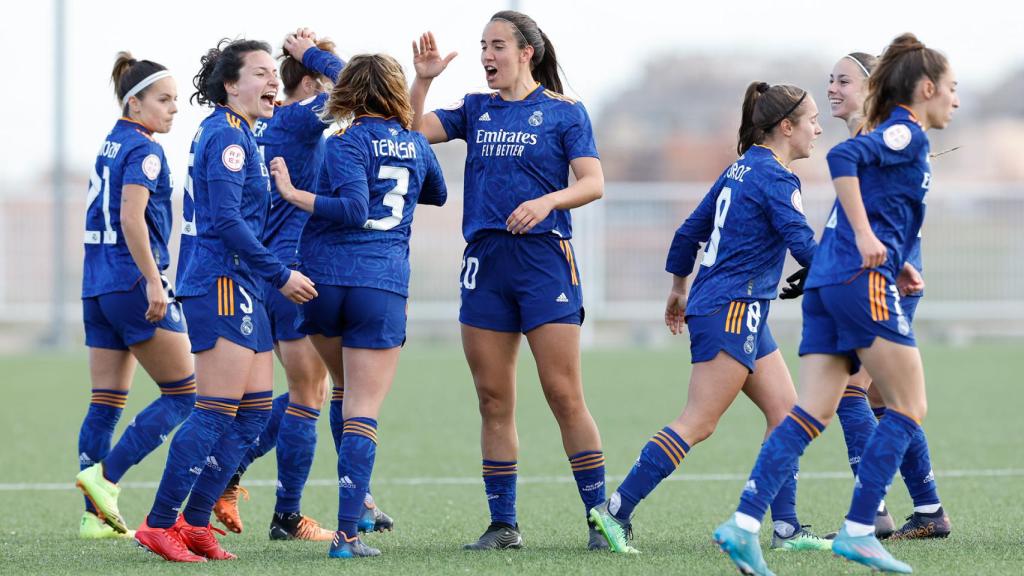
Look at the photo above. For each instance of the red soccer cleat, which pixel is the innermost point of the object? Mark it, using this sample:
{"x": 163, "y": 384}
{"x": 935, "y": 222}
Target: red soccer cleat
{"x": 200, "y": 539}
{"x": 166, "y": 543}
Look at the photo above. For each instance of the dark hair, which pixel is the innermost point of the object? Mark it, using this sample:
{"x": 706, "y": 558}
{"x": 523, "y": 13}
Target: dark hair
{"x": 764, "y": 107}
{"x": 292, "y": 71}
{"x": 544, "y": 64}
{"x": 867, "y": 61}
{"x": 894, "y": 80}
{"x": 220, "y": 65}
{"x": 370, "y": 84}
{"x": 127, "y": 73}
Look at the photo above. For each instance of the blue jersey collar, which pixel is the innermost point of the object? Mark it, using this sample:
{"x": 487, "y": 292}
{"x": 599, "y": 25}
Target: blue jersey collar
{"x": 232, "y": 112}
{"x": 533, "y": 95}
{"x": 128, "y": 122}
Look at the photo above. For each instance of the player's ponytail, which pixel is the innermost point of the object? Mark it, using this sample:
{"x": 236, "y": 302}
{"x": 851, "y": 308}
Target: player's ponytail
{"x": 370, "y": 84}
{"x": 127, "y": 75}
{"x": 764, "y": 108}
{"x": 292, "y": 70}
{"x": 895, "y": 79}
{"x": 544, "y": 64}
{"x": 221, "y": 65}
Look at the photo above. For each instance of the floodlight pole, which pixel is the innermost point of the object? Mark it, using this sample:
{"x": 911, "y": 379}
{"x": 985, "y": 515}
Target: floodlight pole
{"x": 57, "y": 336}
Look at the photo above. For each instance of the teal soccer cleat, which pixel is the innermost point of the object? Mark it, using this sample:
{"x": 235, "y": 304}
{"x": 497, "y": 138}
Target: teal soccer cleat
{"x": 867, "y": 550}
{"x": 743, "y": 548}
{"x": 344, "y": 546}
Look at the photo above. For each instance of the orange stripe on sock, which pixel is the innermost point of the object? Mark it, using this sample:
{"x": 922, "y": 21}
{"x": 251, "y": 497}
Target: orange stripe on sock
{"x": 807, "y": 428}
{"x": 667, "y": 450}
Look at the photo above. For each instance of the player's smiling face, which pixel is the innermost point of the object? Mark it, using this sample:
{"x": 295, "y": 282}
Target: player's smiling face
{"x": 256, "y": 89}
{"x": 501, "y": 56}
{"x": 847, "y": 89}
{"x": 157, "y": 106}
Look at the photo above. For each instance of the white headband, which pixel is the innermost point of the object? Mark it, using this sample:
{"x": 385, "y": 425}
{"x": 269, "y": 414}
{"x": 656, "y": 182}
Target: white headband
{"x": 145, "y": 82}
{"x": 862, "y": 67}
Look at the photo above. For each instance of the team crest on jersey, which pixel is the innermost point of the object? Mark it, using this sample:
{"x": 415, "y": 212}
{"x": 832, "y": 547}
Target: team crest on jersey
{"x": 748, "y": 346}
{"x": 536, "y": 119}
{"x": 233, "y": 158}
{"x": 246, "y": 327}
{"x": 897, "y": 137}
{"x": 151, "y": 166}
{"x": 797, "y": 200}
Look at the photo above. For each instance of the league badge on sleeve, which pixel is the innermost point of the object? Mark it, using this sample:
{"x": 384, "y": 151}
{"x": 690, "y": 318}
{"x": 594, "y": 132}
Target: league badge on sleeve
{"x": 233, "y": 157}
{"x": 897, "y": 137}
{"x": 797, "y": 200}
{"x": 151, "y": 166}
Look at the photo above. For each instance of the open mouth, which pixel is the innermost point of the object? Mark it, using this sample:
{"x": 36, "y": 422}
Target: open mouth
{"x": 835, "y": 102}
{"x": 269, "y": 97}
{"x": 491, "y": 72}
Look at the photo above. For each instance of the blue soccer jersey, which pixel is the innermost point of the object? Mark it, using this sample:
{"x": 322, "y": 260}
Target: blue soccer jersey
{"x": 748, "y": 219}
{"x": 129, "y": 155}
{"x": 892, "y": 165}
{"x": 517, "y": 151}
{"x": 374, "y": 174}
{"x": 226, "y": 198}
{"x": 295, "y": 133}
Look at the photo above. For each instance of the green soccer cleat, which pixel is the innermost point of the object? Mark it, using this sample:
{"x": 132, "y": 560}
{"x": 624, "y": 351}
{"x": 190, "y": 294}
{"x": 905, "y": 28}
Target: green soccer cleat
{"x": 743, "y": 548}
{"x": 103, "y": 494}
{"x": 867, "y": 550}
{"x": 92, "y": 528}
{"x": 801, "y": 540}
{"x": 614, "y": 531}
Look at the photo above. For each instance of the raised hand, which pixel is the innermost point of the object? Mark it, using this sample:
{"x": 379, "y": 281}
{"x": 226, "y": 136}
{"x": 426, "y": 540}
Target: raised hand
{"x": 426, "y": 58}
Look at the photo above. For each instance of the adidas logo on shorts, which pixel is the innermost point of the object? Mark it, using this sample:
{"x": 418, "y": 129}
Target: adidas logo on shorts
{"x": 562, "y": 298}
{"x": 485, "y": 117}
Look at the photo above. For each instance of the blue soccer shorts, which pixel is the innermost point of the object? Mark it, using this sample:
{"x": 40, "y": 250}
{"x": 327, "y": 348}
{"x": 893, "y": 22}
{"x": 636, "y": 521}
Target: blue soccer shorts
{"x": 117, "y": 320}
{"x": 739, "y": 329}
{"x": 362, "y": 317}
{"x": 231, "y": 312}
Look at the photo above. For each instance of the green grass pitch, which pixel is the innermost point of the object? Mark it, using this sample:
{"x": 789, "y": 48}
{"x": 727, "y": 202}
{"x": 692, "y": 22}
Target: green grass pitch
{"x": 427, "y": 474}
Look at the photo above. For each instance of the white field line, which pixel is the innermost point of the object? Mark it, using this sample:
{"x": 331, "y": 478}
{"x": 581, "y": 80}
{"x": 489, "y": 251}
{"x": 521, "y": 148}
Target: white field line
{"x": 475, "y": 480}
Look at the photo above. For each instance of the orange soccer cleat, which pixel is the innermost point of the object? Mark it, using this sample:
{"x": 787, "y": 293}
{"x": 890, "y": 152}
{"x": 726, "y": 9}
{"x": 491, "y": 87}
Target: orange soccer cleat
{"x": 226, "y": 508}
{"x": 166, "y": 543}
{"x": 200, "y": 540}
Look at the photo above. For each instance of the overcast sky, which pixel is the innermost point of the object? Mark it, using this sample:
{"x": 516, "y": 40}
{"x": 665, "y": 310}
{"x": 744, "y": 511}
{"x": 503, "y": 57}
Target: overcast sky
{"x": 601, "y": 45}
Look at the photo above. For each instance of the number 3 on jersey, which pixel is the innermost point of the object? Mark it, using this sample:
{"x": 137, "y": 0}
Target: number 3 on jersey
{"x": 721, "y": 211}
{"x": 394, "y": 199}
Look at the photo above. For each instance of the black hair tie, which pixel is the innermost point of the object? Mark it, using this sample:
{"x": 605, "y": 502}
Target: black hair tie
{"x": 786, "y": 115}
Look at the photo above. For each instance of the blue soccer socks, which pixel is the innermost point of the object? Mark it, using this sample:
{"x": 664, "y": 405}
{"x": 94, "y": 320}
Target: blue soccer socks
{"x": 94, "y": 438}
{"x": 659, "y": 457}
{"x": 880, "y": 460}
{"x": 588, "y": 471}
{"x": 267, "y": 439}
{"x": 336, "y": 417}
{"x": 858, "y": 422}
{"x": 777, "y": 461}
{"x": 296, "y": 445}
{"x": 151, "y": 427}
{"x": 187, "y": 455}
{"x": 355, "y": 466}
{"x": 500, "y": 487}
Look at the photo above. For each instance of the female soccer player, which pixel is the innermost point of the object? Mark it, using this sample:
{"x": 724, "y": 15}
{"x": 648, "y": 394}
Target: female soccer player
{"x": 847, "y": 90}
{"x": 355, "y": 246}
{"x": 295, "y": 132}
{"x": 852, "y": 303}
{"x": 128, "y": 305}
{"x": 221, "y": 270}
{"x": 748, "y": 219}
{"x": 519, "y": 273}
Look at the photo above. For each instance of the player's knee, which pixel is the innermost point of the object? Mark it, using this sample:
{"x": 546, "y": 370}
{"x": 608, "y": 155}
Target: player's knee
{"x": 565, "y": 405}
{"x": 495, "y": 406}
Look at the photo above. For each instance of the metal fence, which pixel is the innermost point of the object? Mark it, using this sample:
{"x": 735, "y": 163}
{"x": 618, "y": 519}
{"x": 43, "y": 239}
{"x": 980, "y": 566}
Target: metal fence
{"x": 973, "y": 250}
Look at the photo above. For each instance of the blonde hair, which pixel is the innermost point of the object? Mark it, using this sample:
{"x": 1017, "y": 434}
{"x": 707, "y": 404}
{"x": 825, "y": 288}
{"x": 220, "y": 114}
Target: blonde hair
{"x": 370, "y": 84}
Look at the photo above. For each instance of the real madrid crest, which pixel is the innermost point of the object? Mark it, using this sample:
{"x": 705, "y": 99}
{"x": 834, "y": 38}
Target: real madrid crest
{"x": 536, "y": 119}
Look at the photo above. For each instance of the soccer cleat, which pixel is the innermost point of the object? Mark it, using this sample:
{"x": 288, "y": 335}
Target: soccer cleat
{"x": 226, "y": 508}
{"x": 92, "y": 528}
{"x": 615, "y": 532}
{"x": 921, "y": 525}
{"x": 884, "y": 524}
{"x": 498, "y": 537}
{"x": 344, "y": 547}
{"x": 200, "y": 540}
{"x": 166, "y": 543}
{"x": 867, "y": 550}
{"x": 295, "y": 526}
{"x": 374, "y": 519}
{"x": 103, "y": 494}
{"x": 802, "y": 539}
{"x": 595, "y": 539}
{"x": 743, "y": 548}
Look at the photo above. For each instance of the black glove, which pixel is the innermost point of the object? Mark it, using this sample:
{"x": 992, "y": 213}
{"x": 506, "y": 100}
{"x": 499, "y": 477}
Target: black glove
{"x": 796, "y": 285}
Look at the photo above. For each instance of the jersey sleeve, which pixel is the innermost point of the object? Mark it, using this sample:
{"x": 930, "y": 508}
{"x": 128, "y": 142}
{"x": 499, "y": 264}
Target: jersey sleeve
{"x": 142, "y": 165}
{"x": 226, "y": 156}
{"x": 694, "y": 231}
{"x": 304, "y": 117}
{"x": 578, "y": 137}
{"x": 783, "y": 203}
{"x": 347, "y": 202}
{"x": 454, "y": 120}
{"x": 434, "y": 191}
{"x": 326, "y": 63}
{"x": 897, "y": 143}
{"x": 237, "y": 236}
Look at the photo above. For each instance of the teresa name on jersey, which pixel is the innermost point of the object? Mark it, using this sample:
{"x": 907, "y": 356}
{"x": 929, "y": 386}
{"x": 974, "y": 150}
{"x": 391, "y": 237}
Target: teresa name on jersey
{"x": 394, "y": 149}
